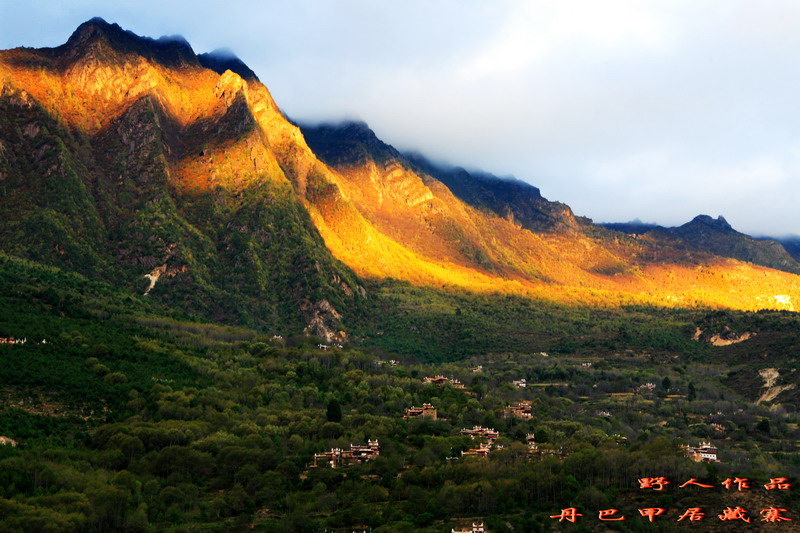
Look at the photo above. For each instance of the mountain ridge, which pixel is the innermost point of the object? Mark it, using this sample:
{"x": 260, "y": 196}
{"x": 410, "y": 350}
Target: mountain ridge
{"x": 173, "y": 51}
{"x": 199, "y": 179}
{"x": 704, "y": 233}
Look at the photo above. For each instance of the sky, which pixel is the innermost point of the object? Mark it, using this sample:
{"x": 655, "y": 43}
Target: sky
{"x": 658, "y": 110}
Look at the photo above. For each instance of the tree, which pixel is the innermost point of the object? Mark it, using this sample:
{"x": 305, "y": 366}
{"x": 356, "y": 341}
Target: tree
{"x": 108, "y": 504}
{"x": 137, "y": 521}
{"x": 334, "y": 412}
{"x": 692, "y": 395}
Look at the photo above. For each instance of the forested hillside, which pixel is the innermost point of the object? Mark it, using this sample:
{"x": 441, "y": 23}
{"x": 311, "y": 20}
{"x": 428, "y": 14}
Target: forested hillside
{"x": 128, "y": 416}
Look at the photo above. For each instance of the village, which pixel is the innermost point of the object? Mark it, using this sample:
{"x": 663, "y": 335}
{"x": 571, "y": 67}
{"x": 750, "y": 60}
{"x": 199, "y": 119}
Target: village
{"x": 486, "y": 439}
{"x": 460, "y": 420}
{"x": 10, "y": 341}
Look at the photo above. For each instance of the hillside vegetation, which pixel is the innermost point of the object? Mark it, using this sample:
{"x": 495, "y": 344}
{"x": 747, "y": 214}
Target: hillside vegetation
{"x": 135, "y": 417}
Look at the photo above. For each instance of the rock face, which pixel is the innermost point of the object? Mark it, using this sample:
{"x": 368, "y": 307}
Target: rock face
{"x": 771, "y": 390}
{"x": 718, "y": 340}
{"x": 120, "y": 154}
{"x": 7, "y": 441}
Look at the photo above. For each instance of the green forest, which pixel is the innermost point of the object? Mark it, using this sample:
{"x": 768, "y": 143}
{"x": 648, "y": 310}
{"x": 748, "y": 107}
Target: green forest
{"x": 131, "y": 416}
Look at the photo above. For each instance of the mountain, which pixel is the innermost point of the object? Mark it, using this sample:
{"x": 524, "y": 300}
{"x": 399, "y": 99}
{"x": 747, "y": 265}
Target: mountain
{"x": 706, "y": 234}
{"x": 504, "y": 228}
{"x": 123, "y": 157}
{"x": 351, "y": 144}
{"x": 145, "y": 189}
{"x": 447, "y": 216}
{"x": 718, "y": 237}
{"x": 137, "y": 162}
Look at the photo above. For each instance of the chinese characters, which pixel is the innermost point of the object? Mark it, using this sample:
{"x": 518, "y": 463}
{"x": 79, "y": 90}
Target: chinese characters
{"x": 695, "y": 514}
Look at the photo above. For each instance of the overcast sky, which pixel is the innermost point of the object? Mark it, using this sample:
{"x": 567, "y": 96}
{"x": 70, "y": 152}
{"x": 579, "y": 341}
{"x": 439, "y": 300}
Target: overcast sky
{"x": 657, "y": 110}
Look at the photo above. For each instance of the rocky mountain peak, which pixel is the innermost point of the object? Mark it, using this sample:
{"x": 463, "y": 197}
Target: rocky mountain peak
{"x": 719, "y": 224}
{"x": 94, "y": 28}
{"x": 171, "y": 51}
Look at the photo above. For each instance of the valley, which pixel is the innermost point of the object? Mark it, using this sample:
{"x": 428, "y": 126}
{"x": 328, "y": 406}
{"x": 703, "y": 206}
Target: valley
{"x": 232, "y": 321}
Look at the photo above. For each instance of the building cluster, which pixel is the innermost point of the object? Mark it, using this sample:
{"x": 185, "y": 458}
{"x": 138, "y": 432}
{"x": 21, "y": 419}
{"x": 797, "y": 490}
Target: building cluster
{"x": 487, "y": 435}
{"x": 476, "y": 528}
{"x": 477, "y": 369}
{"x": 426, "y": 411}
{"x": 646, "y": 387}
{"x": 520, "y": 410}
{"x": 479, "y": 432}
{"x": 327, "y": 347}
{"x": 704, "y": 453}
{"x": 337, "y": 457}
{"x": 12, "y": 340}
{"x": 442, "y": 380}
{"x": 7, "y": 441}
{"x": 520, "y": 383}
{"x": 534, "y": 449}
{"x": 481, "y": 451}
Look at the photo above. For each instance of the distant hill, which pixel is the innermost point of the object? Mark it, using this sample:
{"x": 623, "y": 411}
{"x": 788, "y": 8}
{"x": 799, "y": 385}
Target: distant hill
{"x": 634, "y": 227}
{"x": 706, "y": 234}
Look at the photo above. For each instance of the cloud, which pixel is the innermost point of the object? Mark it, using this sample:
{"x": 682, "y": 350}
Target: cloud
{"x": 536, "y": 31}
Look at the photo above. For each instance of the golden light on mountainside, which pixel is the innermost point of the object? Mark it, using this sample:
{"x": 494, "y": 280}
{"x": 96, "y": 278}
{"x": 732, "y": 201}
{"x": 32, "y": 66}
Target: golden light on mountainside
{"x": 558, "y": 266}
{"x": 233, "y": 165}
{"x": 88, "y": 94}
{"x": 382, "y": 219}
